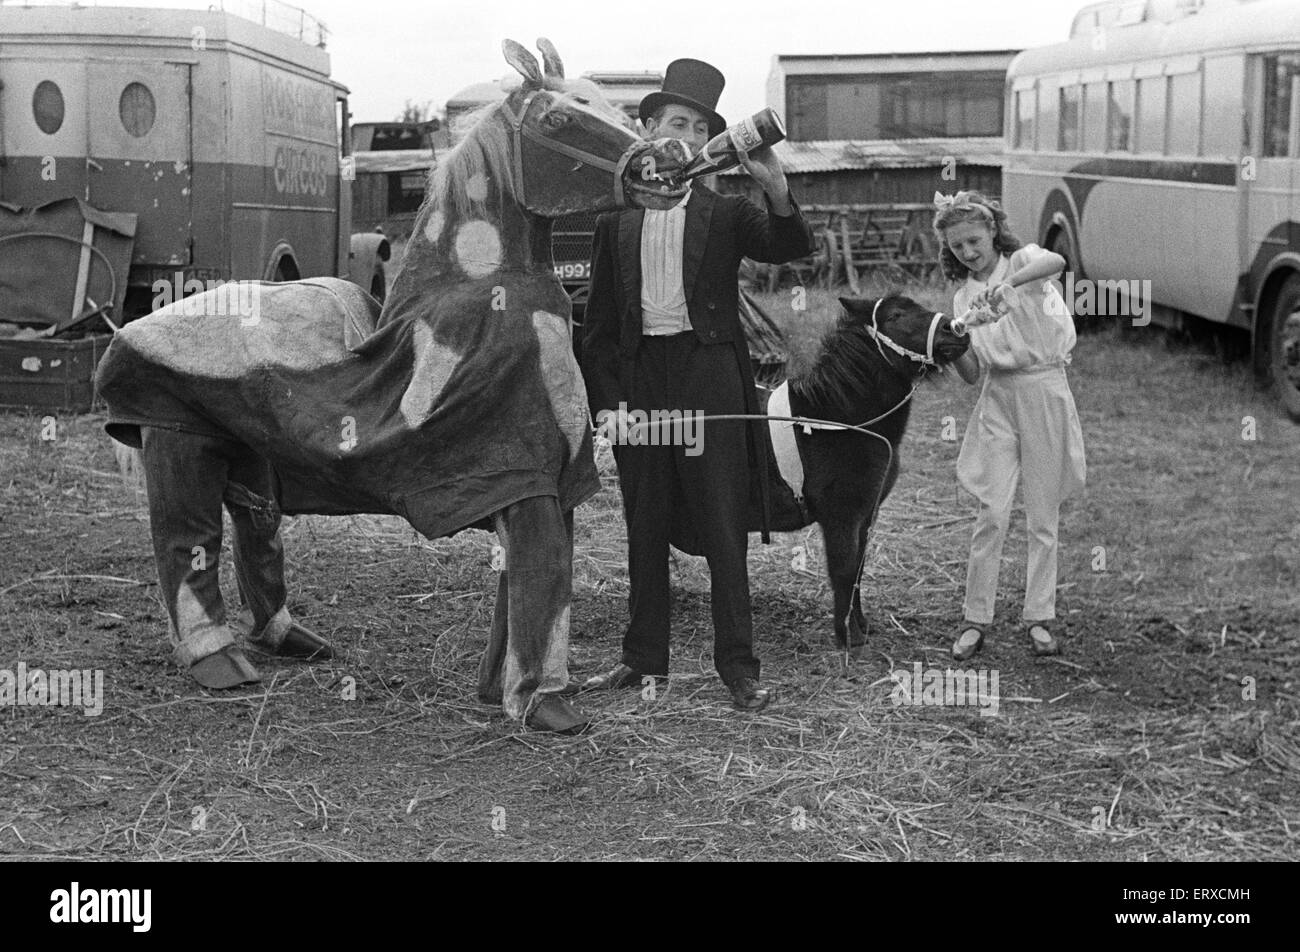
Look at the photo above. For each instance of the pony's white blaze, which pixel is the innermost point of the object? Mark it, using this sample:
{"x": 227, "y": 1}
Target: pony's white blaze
{"x": 434, "y": 364}
{"x": 433, "y": 228}
{"x": 478, "y": 248}
{"x": 563, "y": 379}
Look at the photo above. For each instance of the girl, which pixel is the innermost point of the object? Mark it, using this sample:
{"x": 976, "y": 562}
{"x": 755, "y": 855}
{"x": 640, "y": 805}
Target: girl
{"x": 1025, "y": 427}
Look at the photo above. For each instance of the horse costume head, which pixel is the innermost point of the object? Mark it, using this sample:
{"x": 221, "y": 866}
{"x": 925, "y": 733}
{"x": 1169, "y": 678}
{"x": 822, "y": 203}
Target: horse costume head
{"x": 552, "y": 147}
{"x": 557, "y": 146}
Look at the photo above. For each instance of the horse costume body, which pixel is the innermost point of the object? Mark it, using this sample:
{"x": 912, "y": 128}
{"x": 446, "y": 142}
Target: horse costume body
{"x": 867, "y": 371}
{"x": 458, "y": 405}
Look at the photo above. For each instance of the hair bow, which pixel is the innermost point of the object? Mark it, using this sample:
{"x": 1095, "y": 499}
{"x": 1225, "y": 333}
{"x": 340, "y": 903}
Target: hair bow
{"x": 960, "y": 200}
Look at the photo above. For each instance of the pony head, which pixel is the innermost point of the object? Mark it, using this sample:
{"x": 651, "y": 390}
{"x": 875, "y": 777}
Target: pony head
{"x": 912, "y": 327}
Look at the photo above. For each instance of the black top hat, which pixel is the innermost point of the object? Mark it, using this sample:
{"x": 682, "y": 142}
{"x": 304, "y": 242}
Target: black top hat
{"x": 689, "y": 82}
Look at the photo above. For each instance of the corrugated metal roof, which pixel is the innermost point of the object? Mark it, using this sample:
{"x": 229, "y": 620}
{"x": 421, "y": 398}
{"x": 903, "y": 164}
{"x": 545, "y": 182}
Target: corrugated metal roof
{"x": 403, "y": 160}
{"x": 837, "y": 155}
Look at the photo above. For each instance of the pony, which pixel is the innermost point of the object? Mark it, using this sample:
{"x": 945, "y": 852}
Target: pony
{"x": 457, "y": 405}
{"x": 868, "y": 368}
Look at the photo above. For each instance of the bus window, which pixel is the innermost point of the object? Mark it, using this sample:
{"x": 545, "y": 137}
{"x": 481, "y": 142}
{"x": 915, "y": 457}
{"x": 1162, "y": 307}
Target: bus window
{"x": 1048, "y": 101}
{"x": 1279, "y": 72}
{"x": 1184, "y": 111}
{"x": 1224, "y": 94}
{"x": 1067, "y": 139}
{"x": 1151, "y": 113}
{"x": 1026, "y": 99}
{"x": 1094, "y": 117}
{"x": 1120, "y": 125}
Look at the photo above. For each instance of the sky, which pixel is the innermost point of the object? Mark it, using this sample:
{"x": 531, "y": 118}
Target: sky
{"x": 391, "y": 51}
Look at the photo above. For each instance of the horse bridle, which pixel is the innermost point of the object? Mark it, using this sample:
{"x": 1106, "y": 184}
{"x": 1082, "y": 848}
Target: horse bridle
{"x": 880, "y": 337}
{"x": 519, "y": 131}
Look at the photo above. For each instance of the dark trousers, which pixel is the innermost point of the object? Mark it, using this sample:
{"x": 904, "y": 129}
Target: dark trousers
{"x": 710, "y": 492}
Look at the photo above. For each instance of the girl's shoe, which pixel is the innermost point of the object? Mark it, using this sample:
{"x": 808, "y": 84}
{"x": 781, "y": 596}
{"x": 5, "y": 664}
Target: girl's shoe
{"x": 1038, "y": 644}
{"x": 964, "y": 648}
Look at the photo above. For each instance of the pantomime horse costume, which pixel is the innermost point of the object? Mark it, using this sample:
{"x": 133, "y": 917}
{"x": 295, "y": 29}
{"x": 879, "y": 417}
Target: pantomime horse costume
{"x": 458, "y": 405}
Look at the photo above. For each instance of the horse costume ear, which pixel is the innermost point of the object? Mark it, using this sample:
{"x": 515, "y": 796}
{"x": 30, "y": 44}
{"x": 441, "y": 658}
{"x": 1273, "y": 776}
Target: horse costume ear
{"x": 523, "y": 61}
{"x": 550, "y": 59}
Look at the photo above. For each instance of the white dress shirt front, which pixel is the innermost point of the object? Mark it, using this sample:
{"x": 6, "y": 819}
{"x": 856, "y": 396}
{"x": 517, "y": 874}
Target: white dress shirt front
{"x": 663, "y": 295}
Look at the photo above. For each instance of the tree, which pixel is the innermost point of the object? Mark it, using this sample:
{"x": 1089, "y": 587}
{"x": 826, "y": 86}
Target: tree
{"x": 416, "y": 112}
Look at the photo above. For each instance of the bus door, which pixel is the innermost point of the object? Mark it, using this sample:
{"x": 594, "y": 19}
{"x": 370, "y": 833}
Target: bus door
{"x": 140, "y": 152}
{"x": 1270, "y": 197}
{"x": 42, "y": 130}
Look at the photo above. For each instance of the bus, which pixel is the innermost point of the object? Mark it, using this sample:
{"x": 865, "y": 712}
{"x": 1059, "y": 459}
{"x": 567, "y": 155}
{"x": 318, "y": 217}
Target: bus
{"x": 220, "y": 127}
{"x": 1158, "y": 151}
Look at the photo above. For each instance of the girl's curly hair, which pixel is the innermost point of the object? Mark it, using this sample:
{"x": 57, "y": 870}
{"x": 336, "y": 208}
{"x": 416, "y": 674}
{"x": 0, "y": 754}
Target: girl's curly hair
{"x": 975, "y": 207}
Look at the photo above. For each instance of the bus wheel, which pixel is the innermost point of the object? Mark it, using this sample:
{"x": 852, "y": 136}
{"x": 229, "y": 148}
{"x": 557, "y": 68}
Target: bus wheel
{"x": 1061, "y": 241}
{"x": 1284, "y": 346}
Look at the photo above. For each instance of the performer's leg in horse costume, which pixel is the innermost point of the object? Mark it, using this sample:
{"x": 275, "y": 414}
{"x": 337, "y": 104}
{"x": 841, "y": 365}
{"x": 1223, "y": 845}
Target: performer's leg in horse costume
{"x": 524, "y": 667}
{"x": 188, "y": 478}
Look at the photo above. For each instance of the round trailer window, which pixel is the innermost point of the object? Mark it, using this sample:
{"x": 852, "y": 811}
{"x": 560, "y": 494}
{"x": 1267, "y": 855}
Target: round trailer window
{"x": 137, "y": 109}
{"x": 47, "y": 107}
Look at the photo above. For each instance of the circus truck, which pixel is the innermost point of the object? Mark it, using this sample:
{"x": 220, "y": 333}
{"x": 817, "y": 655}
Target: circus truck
{"x": 213, "y": 138}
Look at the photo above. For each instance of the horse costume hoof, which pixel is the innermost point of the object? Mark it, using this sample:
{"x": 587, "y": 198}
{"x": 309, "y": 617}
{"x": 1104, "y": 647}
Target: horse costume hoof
{"x": 493, "y": 697}
{"x": 553, "y": 713}
{"x": 285, "y": 638}
{"x": 226, "y": 668}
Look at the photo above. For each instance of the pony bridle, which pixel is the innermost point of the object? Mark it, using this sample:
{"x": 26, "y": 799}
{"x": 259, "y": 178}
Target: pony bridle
{"x": 880, "y": 337}
{"x": 519, "y": 131}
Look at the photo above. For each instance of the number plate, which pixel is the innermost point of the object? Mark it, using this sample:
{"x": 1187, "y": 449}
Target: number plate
{"x": 573, "y": 271}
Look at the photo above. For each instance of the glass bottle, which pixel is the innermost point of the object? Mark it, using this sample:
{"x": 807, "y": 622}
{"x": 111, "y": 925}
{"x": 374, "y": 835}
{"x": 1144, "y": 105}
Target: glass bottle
{"x": 761, "y": 129}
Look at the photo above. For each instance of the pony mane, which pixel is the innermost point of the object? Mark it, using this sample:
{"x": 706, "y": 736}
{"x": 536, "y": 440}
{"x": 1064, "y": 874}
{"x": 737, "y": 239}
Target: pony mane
{"x": 485, "y": 151}
{"x": 845, "y": 375}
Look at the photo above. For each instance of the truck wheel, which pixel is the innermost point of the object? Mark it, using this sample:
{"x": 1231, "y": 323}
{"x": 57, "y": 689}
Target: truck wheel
{"x": 1284, "y": 346}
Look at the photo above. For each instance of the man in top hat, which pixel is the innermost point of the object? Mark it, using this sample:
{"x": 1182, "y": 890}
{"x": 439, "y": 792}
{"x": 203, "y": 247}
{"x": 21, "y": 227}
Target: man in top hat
{"x": 662, "y": 332}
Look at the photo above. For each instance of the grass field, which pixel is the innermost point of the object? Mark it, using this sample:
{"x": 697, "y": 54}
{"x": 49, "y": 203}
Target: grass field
{"x": 1167, "y": 729}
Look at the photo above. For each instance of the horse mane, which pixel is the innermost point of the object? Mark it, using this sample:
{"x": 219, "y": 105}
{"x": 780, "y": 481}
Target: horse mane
{"x": 848, "y": 371}
{"x": 485, "y": 152}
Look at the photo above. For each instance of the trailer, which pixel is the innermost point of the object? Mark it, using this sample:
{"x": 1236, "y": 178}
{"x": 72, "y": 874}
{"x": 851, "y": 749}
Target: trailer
{"x": 223, "y": 133}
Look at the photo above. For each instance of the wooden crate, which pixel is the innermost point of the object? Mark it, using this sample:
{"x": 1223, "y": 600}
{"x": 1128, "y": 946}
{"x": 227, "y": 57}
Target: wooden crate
{"x": 45, "y": 374}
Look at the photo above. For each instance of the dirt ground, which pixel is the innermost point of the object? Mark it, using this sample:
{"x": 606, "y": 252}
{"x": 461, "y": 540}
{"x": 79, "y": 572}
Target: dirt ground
{"x": 1167, "y": 730}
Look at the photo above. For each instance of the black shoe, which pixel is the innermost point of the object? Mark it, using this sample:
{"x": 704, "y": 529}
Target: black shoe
{"x": 746, "y": 695}
{"x": 616, "y": 679}
{"x": 553, "y": 713}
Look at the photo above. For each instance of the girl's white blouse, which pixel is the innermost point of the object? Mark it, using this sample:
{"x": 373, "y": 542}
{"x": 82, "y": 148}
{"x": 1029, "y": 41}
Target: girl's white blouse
{"x": 1038, "y": 330}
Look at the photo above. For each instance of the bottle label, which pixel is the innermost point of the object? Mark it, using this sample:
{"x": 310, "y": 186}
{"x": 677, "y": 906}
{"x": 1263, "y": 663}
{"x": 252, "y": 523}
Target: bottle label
{"x": 745, "y": 135}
